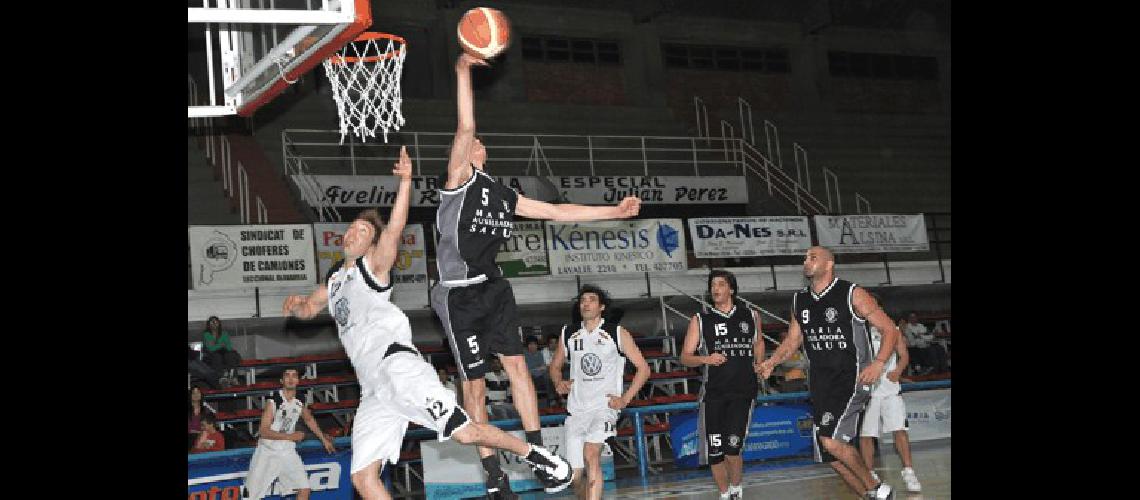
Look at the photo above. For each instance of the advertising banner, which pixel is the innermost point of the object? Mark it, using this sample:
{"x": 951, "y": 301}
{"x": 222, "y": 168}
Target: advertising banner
{"x": 633, "y": 246}
{"x": 749, "y": 236}
{"x": 252, "y": 255}
{"x": 872, "y": 233}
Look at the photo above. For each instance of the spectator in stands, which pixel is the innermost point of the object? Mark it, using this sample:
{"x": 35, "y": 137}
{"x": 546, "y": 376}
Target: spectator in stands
{"x": 536, "y": 364}
{"x": 445, "y": 379}
{"x": 449, "y": 382}
{"x": 200, "y": 371}
{"x": 930, "y": 354}
{"x": 549, "y": 348}
{"x": 217, "y": 350}
{"x": 795, "y": 378}
{"x": 498, "y": 387}
{"x": 195, "y": 411}
{"x": 210, "y": 439}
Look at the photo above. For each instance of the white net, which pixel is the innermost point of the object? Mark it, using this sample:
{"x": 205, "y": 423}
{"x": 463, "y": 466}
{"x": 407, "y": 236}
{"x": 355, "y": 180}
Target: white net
{"x": 365, "y": 78}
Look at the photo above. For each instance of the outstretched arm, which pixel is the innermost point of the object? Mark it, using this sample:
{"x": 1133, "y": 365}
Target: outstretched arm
{"x": 306, "y": 307}
{"x": 629, "y": 207}
{"x": 459, "y": 165}
{"x": 383, "y": 254}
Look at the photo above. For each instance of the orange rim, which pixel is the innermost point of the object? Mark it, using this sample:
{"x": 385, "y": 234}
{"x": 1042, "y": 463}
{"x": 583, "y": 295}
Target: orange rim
{"x": 366, "y": 36}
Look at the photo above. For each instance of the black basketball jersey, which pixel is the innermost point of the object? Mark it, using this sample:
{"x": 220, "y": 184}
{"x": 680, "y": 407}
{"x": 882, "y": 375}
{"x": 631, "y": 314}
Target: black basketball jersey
{"x": 732, "y": 335}
{"x": 473, "y": 221}
{"x": 834, "y": 336}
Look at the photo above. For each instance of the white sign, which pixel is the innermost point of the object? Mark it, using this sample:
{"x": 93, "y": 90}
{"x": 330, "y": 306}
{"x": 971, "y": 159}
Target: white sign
{"x": 380, "y": 190}
{"x": 927, "y": 414}
{"x": 872, "y": 233}
{"x": 524, "y": 253}
{"x": 749, "y": 236}
{"x": 410, "y": 269}
{"x": 249, "y": 256}
{"x": 634, "y": 246}
{"x": 652, "y": 189}
{"x": 452, "y": 470}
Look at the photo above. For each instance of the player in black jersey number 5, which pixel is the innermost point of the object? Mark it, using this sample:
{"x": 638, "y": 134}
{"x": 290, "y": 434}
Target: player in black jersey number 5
{"x": 829, "y": 317}
{"x": 475, "y": 305}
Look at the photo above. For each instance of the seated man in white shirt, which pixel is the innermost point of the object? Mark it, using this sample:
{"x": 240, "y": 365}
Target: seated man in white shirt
{"x": 498, "y": 389}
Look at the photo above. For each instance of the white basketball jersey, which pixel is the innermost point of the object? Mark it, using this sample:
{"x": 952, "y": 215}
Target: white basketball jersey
{"x": 597, "y": 366}
{"x": 885, "y": 387}
{"x": 286, "y": 413}
{"x": 366, "y": 320}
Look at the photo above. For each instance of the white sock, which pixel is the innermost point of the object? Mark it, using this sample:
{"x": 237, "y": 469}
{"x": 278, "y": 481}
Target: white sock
{"x": 725, "y": 495}
{"x": 736, "y": 488}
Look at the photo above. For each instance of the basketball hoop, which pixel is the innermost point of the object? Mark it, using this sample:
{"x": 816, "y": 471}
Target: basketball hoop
{"x": 365, "y": 79}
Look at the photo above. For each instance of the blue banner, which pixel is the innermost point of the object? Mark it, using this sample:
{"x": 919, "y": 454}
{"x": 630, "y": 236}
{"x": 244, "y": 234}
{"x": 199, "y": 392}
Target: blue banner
{"x": 219, "y": 475}
{"x": 775, "y": 432}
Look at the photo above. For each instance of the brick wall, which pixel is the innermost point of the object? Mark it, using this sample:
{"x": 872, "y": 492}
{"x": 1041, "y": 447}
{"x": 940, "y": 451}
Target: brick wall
{"x": 574, "y": 83}
{"x": 884, "y": 96}
{"x": 719, "y": 90}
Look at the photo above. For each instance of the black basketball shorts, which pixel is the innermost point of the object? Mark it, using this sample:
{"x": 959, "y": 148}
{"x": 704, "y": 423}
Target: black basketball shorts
{"x": 479, "y": 321}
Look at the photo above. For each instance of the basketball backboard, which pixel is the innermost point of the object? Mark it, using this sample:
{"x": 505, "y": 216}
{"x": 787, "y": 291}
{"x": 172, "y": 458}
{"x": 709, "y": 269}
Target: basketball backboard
{"x": 243, "y": 53}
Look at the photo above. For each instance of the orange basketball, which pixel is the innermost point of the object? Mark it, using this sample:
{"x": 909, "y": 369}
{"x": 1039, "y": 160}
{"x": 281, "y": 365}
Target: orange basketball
{"x": 484, "y": 32}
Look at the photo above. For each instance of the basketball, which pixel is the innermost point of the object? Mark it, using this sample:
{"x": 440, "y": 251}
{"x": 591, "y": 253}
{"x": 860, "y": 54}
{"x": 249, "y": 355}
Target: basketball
{"x": 484, "y": 32}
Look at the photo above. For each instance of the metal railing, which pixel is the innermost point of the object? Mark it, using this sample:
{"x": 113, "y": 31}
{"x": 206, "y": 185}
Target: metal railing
{"x": 780, "y": 184}
{"x": 517, "y": 154}
{"x": 311, "y": 190}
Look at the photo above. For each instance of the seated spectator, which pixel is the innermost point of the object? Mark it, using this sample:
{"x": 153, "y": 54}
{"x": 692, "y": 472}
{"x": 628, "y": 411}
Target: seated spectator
{"x": 548, "y": 349}
{"x": 929, "y": 353}
{"x": 498, "y": 388}
{"x": 916, "y": 344}
{"x": 200, "y": 371}
{"x": 445, "y": 379}
{"x": 217, "y": 350}
{"x": 537, "y": 367}
{"x": 209, "y": 439}
{"x": 195, "y": 411}
{"x": 795, "y": 374}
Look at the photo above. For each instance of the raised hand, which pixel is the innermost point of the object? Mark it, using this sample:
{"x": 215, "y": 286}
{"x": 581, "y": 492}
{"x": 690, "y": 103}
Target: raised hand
{"x": 403, "y": 167}
{"x": 467, "y": 60}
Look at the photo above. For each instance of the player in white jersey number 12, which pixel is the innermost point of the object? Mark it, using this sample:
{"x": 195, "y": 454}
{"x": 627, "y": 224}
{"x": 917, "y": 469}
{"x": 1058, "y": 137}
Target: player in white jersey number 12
{"x": 397, "y": 385}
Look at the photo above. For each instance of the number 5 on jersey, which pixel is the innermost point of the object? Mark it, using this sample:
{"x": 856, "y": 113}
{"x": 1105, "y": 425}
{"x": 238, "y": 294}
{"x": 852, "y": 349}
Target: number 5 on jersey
{"x": 485, "y": 200}
{"x": 474, "y": 345}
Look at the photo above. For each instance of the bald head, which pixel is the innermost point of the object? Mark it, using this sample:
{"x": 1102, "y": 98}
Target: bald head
{"x": 823, "y": 253}
{"x": 819, "y": 262}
